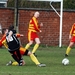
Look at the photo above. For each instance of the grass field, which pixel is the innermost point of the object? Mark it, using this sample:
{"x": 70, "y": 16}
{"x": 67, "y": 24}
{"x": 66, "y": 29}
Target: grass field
{"x": 51, "y": 56}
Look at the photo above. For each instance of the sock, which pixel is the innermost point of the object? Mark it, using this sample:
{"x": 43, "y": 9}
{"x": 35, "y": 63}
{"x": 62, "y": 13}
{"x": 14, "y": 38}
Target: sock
{"x": 27, "y": 46}
{"x": 35, "y": 48}
{"x": 68, "y": 50}
{"x": 34, "y": 59}
{"x": 15, "y": 63}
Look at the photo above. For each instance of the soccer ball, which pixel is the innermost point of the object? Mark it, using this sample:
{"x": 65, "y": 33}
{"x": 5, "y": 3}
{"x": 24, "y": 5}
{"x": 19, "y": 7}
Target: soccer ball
{"x": 65, "y": 61}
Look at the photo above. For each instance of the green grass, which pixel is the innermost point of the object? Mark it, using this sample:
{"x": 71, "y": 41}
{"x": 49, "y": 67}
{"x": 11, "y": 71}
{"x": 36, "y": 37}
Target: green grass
{"x": 51, "y": 56}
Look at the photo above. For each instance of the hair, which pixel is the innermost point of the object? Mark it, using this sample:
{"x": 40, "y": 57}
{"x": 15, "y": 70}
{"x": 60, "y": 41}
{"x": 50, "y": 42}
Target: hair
{"x": 3, "y": 30}
{"x": 11, "y": 27}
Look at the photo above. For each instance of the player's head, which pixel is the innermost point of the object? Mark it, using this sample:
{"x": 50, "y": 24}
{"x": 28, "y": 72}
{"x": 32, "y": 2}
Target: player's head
{"x": 36, "y": 14}
{"x": 4, "y": 31}
{"x": 11, "y": 27}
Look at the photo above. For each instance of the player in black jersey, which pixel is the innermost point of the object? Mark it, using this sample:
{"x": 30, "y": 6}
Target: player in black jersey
{"x": 14, "y": 46}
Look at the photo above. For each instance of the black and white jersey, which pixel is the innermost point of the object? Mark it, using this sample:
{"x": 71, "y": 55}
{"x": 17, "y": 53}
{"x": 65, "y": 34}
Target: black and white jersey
{"x": 13, "y": 43}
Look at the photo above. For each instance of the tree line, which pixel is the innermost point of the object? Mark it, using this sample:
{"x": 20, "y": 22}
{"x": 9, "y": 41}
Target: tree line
{"x": 67, "y": 4}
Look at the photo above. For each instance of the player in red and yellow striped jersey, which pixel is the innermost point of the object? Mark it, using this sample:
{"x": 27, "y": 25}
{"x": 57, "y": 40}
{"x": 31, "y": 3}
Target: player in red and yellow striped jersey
{"x": 34, "y": 27}
{"x": 23, "y": 52}
{"x": 72, "y": 40}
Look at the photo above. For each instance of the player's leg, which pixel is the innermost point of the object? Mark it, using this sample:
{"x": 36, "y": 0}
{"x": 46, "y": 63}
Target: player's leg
{"x": 19, "y": 57}
{"x": 37, "y": 40}
{"x": 22, "y": 52}
{"x": 29, "y": 44}
{"x": 14, "y": 56}
{"x": 35, "y": 60}
{"x": 69, "y": 48}
{"x": 30, "y": 39}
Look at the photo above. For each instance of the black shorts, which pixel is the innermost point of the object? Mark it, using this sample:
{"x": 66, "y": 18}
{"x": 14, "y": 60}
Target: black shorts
{"x": 12, "y": 51}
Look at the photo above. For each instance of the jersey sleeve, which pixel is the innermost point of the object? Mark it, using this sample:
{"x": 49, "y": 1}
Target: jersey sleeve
{"x": 72, "y": 31}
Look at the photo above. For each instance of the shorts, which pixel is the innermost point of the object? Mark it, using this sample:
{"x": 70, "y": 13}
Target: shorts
{"x": 32, "y": 35}
{"x": 72, "y": 39}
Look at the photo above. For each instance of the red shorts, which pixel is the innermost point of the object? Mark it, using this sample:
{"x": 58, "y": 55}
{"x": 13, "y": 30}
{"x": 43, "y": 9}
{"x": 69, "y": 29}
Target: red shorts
{"x": 73, "y": 39}
{"x": 32, "y": 35}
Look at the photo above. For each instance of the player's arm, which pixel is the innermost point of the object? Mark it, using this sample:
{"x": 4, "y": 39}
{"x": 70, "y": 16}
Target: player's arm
{"x": 72, "y": 31}
{"x": 9, "y": 36}
{"x": 5, "y": 44}
{"x": 3, "y": 38}
{"x": 19, "y": 35}
{"x": 36, "y": 26}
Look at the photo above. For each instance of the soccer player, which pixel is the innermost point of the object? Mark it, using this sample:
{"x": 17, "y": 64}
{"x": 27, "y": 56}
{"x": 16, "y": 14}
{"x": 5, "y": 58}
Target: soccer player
{"x": 23, "y": 52}
{"x": 72, "y": 40}
{"x": 34, "y": 27}
{"x": 14, "y": 46}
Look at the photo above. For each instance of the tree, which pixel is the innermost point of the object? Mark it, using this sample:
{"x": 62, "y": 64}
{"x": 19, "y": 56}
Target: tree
{"x": 67, "y": 4}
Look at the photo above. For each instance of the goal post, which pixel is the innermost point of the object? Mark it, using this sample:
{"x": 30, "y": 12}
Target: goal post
{"x": 60, "y": 15}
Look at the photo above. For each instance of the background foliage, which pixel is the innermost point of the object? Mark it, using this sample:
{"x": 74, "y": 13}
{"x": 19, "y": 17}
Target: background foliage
{"x": 67, "y": 4}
